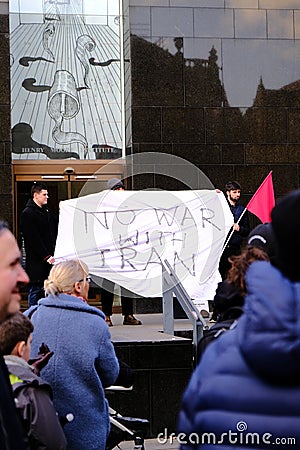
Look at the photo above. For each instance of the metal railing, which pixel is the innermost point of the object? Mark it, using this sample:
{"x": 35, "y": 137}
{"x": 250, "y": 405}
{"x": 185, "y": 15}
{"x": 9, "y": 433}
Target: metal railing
{"x": 171, "y": 286}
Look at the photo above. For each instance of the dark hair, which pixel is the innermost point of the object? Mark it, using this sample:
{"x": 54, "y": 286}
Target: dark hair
{"x": 239, "y": 265}
{"x": 3, "y": 226}
{"x": 16, "y": 328}
{"x": 232, "y": 186}
{"x": 37, "y": 187}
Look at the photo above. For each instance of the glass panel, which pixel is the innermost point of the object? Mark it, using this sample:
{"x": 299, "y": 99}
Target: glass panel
{"x": 246, "y": 62}
{"x": 297, "y": 24}
{"x": 172, "y": 21}
{"x": 280, "y": 24}
{"x": 140, "y": 20}
{"x": 149, "y": 2}
{"x": 79, "y": 188}
{"x": 239, "y": 4}
{"x": 279, "y": 4}
{"x": 65, "y": 79}
{"x": 250, "y": 23}
{"x": 213, "y": 23}
{"x": 195, "y": 3}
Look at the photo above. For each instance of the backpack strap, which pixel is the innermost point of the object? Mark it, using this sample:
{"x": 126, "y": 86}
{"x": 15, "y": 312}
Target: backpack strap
{"x": 31, "y": 310}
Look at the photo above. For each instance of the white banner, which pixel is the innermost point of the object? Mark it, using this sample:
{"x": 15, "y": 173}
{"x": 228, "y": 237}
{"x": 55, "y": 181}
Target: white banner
{"x": 125, "y": 236}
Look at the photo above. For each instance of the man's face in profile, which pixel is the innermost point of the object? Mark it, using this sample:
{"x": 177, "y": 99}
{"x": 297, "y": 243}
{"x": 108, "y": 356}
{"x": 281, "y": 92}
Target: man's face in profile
{"x": 41, "y": 198}
{"x": 234, "y": 195}
{"x": 12, "y": 275}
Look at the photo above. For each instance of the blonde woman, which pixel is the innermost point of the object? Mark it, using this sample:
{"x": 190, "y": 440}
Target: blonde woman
{"x": 84, "y": 360}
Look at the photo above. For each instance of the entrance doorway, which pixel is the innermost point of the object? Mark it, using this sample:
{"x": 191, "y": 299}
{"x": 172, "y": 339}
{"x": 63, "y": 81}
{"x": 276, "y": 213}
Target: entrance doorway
{"x": 64, "y": 180}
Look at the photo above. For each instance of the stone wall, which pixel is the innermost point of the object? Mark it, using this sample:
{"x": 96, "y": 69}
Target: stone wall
{"x": 5, "y": 134}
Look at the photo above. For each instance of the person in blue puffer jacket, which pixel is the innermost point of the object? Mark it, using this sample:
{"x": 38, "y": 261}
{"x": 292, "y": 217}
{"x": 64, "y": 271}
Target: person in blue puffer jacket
{"x": 245, "y": 393}
{"x": 84, "y": 361}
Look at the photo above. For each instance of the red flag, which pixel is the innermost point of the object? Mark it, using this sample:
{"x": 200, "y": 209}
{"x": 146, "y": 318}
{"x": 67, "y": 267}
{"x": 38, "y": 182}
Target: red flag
{"x": 263, "y": 201}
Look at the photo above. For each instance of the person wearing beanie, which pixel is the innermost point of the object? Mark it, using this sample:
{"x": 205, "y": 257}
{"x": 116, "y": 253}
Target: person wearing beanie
{"x": 107, "y": 288}
{"x": 263, "y": 237}
{"x": 251, "y": 374}
{"x": 115, "y": 184}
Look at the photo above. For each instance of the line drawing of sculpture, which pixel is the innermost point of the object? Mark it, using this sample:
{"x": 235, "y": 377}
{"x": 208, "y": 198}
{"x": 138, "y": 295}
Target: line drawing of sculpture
{"x": 48, "y": 32}
{"x": 103, "y": 63}
{"x": 23, "y": 142}
{"x": 25, "y": 60}
{"x": 84, "y": 44}
{"x": 63, "y": 104}
{"x": 51, "y": 10}
{"x": 28, "y": 84}
{"x": 64, "y": 36}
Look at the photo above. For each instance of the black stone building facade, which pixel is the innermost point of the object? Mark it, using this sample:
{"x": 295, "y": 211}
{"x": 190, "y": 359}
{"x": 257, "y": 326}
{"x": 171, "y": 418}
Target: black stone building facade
{"x": 231, "y": 109}
{"x": 5, "y": 133}
{"x": 186, "y": 64}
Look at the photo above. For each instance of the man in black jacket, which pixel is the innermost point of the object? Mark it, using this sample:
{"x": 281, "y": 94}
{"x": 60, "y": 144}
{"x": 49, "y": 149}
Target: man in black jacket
{"x": 12, "y": 275}
{"x": 39, "y": 230}
{"x": 240, "y": 228}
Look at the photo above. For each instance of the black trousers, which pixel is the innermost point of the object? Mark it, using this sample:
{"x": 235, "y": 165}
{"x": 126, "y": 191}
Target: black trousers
{"x": 107, "y": 299}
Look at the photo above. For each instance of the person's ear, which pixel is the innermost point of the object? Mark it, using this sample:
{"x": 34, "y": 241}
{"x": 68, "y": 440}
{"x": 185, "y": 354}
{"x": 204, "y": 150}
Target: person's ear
{"x": 19, "y": 349}
{"x": 77, "y": 287}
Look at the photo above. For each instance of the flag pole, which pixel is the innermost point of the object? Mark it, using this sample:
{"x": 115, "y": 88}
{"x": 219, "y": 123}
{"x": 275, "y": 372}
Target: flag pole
{"x": 232, "y": 231}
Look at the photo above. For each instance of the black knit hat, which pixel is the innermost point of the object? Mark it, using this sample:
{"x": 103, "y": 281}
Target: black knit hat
{"x": 263, "y": 237}
{"x": 115, "y": 183}
{"x": 286, "y": 225}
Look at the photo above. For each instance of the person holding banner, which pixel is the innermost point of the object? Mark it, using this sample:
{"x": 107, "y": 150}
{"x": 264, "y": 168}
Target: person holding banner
{"x": 240, "y": 228}
{"x": 107, "y": 289}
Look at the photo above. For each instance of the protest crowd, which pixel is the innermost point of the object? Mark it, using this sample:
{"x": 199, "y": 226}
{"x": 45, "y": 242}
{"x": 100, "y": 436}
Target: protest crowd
{"x": 57, "y": 357}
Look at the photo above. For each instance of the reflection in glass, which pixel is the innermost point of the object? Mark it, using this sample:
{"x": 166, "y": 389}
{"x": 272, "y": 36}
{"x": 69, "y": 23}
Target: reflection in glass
{"x": 65, "y": 80}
